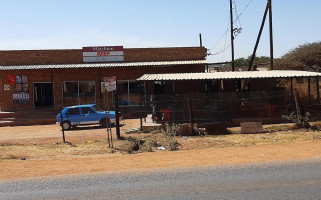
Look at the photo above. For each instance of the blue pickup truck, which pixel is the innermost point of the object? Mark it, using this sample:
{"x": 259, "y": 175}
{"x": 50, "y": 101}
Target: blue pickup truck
{"x": 85, "y": 115}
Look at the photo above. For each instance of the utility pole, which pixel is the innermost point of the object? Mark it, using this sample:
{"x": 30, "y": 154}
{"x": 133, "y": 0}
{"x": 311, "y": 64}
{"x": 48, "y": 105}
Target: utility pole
{"x": 271, "y": 33}
{"x": 232, "y": 35}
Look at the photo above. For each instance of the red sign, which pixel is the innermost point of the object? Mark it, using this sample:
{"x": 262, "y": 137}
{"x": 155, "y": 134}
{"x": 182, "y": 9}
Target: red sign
{"x": 103, "y": 54}
{"x": 11, "y": 79}
{"x": 102, "y": 48}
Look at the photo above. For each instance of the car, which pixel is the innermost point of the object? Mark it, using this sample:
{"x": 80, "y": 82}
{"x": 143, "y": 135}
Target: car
{"x": 89, "y": 114}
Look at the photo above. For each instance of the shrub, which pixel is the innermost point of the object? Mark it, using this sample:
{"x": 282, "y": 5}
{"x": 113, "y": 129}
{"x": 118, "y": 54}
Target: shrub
{"x": 301, "y": 121}
{"x": 130, "y": 146}
{"x": 148, "y": 144}
{"x": 170, "y": 136}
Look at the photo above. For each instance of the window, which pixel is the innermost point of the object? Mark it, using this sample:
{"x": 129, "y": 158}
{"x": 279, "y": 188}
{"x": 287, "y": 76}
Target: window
{"x": 128, "y": 92}
{"x": 73, "y": 111}
{"x": 79, "y": 92}
{"x": 87, "y": 110}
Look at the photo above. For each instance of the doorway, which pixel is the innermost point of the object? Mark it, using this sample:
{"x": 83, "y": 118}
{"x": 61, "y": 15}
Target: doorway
{"x": 43, "y": 95}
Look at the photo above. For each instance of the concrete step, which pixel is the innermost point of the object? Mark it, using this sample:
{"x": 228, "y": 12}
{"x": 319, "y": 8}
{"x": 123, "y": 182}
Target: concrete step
{"x": 11, "y": 114}
{"x": 25, "y": 118}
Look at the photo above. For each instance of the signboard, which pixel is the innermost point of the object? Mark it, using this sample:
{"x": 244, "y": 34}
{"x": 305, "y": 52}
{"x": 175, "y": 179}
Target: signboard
{"x": 21, "y": 98}
{"x": 6, "y": 87}
{"x": 109, "y": 83}
{"x": 103, "y": 54}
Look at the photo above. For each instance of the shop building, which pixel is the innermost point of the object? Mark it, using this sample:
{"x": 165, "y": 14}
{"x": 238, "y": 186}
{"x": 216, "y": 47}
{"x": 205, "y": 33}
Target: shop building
{"x": 37, "y": 79}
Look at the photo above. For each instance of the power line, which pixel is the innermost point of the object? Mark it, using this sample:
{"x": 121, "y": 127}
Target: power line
{"x": 228, "y": 29}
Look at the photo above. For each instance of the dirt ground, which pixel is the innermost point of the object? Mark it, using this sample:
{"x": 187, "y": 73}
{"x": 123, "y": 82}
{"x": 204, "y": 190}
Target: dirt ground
{"x": 36, "y": 151}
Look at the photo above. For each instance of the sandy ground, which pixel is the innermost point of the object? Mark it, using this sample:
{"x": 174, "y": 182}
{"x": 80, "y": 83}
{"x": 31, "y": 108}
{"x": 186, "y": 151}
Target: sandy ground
{"x": 50, "y": 157}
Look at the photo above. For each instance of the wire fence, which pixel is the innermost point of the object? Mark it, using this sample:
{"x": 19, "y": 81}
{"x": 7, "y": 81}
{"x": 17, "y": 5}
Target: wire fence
{"x": 225, "y": 107}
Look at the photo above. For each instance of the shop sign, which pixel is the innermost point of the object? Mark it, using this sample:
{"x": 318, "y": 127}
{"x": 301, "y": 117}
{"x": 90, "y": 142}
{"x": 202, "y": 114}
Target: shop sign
{"x": 21, "y": 98}
{"x": 103, "y": 54}
{"x": 109, "y": 83}
{"x": 6, "y": 87}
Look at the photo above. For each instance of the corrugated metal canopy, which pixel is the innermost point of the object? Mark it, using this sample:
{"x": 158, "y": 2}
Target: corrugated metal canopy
{"x": 104, "y": 65}
{"x": 229, "y": 75}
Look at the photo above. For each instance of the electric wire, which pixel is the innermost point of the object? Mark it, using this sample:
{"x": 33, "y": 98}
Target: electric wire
{"x": 228, "y": 29}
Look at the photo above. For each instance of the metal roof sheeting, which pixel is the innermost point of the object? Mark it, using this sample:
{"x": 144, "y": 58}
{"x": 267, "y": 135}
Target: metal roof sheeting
{"x": 229, "y": 75}
{"x": 103, "y": 65}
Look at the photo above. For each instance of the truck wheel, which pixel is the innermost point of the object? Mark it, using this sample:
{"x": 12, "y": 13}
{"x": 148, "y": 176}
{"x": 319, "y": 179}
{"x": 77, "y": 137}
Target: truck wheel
{"x": 66, "y": 125}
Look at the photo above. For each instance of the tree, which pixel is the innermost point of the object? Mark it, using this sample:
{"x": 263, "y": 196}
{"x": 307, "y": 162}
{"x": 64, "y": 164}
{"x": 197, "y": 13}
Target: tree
{"x": 241, "y": 62}
{"x": 305, "y": 57}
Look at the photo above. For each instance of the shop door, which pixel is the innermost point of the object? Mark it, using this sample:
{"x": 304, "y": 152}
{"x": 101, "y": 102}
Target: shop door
{"x": 43, "y": 95}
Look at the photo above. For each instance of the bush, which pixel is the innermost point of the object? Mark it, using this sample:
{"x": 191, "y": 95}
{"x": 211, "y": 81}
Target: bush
{"x": 301, "y": 121}
{"x": 148, "y": 144}
{"x": 130, "y": 146}
{"x": 170, "y": 136}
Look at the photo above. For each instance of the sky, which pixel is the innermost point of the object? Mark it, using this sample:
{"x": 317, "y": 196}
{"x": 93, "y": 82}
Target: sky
{"x": 73, "y": 24}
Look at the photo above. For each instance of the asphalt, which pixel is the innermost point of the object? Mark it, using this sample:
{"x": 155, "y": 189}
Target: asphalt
{"x": 299, "y": 179}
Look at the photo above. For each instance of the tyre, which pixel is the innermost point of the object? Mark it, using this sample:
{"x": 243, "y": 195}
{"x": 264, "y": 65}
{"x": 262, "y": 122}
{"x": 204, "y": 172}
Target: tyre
{"x": 103, "y": 122}
{"x": 66, "y": 125}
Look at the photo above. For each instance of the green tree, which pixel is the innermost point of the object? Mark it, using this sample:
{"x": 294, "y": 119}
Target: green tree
{"x": 305, "y": 57}
{"x": 241, "y": 62}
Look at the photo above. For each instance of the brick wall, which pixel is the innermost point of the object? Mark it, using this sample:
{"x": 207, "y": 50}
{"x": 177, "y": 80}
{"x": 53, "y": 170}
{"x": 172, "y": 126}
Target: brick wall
{"x": 58, "y": 76}
{"x": 74, "y": 56}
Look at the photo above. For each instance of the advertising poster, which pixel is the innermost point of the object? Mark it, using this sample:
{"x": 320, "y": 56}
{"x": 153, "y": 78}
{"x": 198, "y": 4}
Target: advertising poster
{"x": 25, "y": 87}
{"x": 11, "y": 79}
{"x": 24, "y": 79}
{"x": 19, "y": 87}
{"x": 18, "y": 79}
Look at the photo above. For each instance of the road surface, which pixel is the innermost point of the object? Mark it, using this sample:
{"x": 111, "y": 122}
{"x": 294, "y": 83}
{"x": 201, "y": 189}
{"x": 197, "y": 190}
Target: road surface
{"x": 287, "y": 180}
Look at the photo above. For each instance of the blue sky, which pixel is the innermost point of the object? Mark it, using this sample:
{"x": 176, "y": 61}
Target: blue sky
{"x": 70, "y": 24}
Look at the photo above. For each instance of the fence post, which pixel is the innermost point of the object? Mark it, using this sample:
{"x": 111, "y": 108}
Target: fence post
{"x": 117, "y": 115}
{"x": 62, "y": 128}
{"x": 309, "y": 90}
{"x": 190, "y": 114}
{"x": 318, "y": 90}
{"x": 297, "y": 104}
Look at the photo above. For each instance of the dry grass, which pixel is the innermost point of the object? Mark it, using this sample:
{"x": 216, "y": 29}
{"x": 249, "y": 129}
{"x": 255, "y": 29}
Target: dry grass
{"x": 92, "y": 142}
{"x": 275, "y": 134}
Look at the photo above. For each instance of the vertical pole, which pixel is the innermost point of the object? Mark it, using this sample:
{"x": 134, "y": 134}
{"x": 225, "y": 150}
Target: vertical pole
{"x": 309, "y": 90}
{"x": 297, "y": 104}
{"x": 190, "y": 115}
{"x": 117, "y": 114}
{"x": 232, "y": 35}
{"x": 53, "y": 88}
{"x": 201, "y": 42}
{"x": 106, "y": 119}
{"x": 318, "y": 89}
{"x": 271, "y": 33}
{"x": 78, "y": 94}
{"x": 100, "y": 89}
{"x": 291, "y": 89}
{"x": 141, "y": 108}
{"x": 258, "y": 38}
{"x": 109, "y": 123}
{"x": 62, "y": 128}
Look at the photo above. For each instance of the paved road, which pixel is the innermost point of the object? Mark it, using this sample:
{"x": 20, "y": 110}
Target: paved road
{"x": 295, "y": 180}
